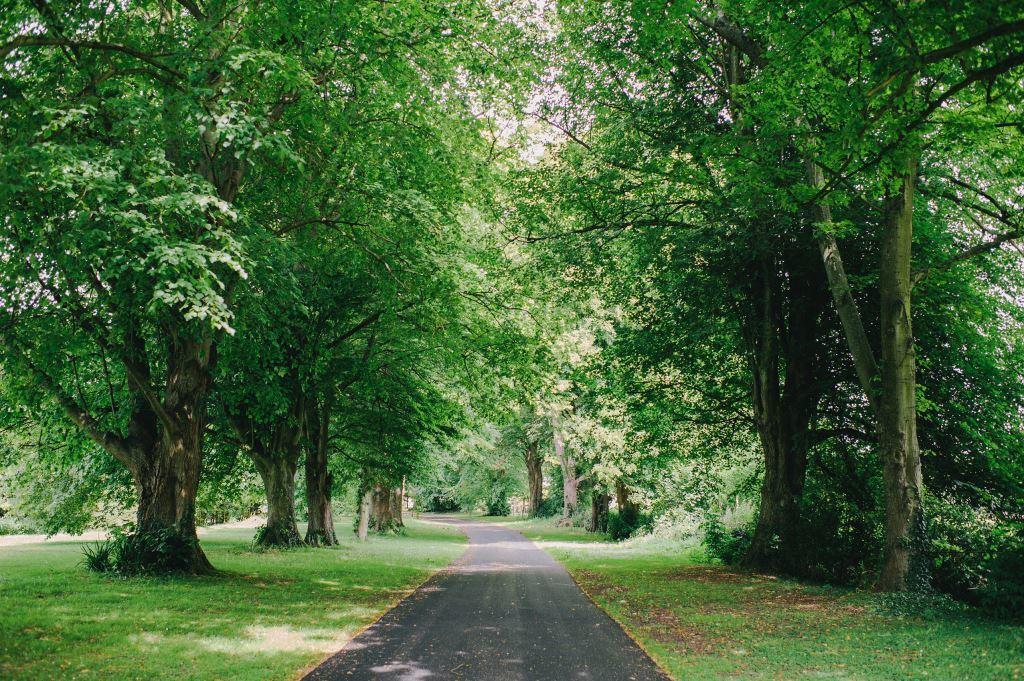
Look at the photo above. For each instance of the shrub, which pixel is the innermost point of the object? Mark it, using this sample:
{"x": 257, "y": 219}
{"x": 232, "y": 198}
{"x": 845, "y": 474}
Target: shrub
{"x": 728, "y": 546}
{"x": 959, "y": 540}
{"x": 499, "y": 505}
{"x": 155, "y": 552}
{"x": 438, "y": 503}
{"x": 628, "y": 522}
{"x": 1003, "y": 593}
{"x": 976, "y": 558}
{"x": 98, "y": 556}
{"x": 551, "y": 506}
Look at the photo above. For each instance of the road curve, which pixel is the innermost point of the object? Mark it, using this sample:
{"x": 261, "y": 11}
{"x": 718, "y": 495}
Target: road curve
{"x": 505, "y": 610}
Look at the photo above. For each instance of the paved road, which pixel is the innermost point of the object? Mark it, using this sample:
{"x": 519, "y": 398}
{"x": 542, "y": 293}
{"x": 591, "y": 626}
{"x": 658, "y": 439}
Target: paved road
{"x": 505, "y": 610}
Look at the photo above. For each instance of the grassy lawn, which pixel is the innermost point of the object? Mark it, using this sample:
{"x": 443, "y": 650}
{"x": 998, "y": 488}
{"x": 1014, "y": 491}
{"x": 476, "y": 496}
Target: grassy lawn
{"x": 544, "y": 531}
{"x": 267, "y": 615}
{"x": 701, "y": 621}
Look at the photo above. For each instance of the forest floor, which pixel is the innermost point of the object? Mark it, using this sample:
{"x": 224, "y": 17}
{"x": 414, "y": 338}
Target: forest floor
{"x": 701, "y": 621}
{"x": 265, "y": 615}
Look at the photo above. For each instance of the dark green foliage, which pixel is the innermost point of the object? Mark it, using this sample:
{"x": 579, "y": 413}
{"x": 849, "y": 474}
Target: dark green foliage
{"x": 157, "y": 552}
{"x": 623, "y": 524}
{"x": 97, "y": 557}
{"x": 551, "y": 506}
{"x": 975, "y": 558}
{"x": 1004, "y": 592}
{"x": 728, "y": 546}
{"x": 439, "y": 503}
{"x": 498, "y": 504}
{"x": 836, "y": 536}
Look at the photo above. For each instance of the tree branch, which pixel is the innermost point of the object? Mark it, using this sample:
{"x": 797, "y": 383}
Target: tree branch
{"x": 45, "y": 40}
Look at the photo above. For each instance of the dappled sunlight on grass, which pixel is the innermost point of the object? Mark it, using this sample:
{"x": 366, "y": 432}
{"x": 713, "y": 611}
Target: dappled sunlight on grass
{"x": 264, "y": 615}
{"x": 262, "y": 640}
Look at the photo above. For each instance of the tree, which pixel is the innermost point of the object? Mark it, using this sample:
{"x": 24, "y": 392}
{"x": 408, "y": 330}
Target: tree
{"x": 133, "y": 133}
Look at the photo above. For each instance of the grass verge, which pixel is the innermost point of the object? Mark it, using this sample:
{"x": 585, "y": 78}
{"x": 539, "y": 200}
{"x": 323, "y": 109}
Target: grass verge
{"x": 266, "y": 615}
{"x": 702, "y": 621}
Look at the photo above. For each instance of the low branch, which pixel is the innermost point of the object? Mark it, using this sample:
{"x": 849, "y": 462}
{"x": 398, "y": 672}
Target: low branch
{"x": 108, "y": 440}
{"x": 967, "y": 254}
{"x": 974, "y": 41}
{"x": 46, "y": 40}
{"x": 734, "y": 35}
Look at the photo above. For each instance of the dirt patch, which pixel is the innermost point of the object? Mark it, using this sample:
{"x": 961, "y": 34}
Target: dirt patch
{"x": 713, "y": 574}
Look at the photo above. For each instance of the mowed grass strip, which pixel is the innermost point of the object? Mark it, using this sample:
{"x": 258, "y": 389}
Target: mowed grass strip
{"x": 702, "y": 621}
{"x": 266, "y": 615}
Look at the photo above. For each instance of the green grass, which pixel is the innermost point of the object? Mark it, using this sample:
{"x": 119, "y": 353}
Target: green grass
{"x": 701, "y": 621}
{"x": 266, "y": 615}
{"x": 544, "y": 530}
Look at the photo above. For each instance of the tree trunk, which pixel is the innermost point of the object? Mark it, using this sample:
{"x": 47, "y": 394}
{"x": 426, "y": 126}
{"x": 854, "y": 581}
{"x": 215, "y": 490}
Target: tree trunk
{"x": 599, "y": 503}
{"x": 783, "y": 413}
{"x": 842, "y": 295}
{"x": 275, "y": 450}
{"x": 535, "y": 475}
{"x": 167, "y": 476}
{"x": 320, "y": 527}
{"x": 903, "y": 566}
{"x": 622, "y": 501}
{"x": 385, "y": 512}
{"x": 278, "y": 473}
{"x": 890, "y": 389}
{"x": 570, "y": 494}
{"x": 396, "y": 504}
{"x": 364, "y": 515}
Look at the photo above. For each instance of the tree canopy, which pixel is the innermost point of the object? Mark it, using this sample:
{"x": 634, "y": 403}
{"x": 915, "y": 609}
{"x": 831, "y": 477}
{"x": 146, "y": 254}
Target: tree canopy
{"x": 748, "y": 268}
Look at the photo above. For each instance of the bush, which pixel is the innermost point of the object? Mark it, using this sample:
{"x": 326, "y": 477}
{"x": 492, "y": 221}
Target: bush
{"x": 498, "y": 504}
{"x": 11, "y": 525}
{"x": 551, "y": 506}
{"x": 975, "y": 557}
{"x": 959, "y": 541}
{"x": 155, "y": 552}
{"x": 437, "y": 503}
{"x": 628, "y": 522}
{"x": 1003, "y": 593}
{"x": 98, "y": 556}
{"x": 728, "y": 546}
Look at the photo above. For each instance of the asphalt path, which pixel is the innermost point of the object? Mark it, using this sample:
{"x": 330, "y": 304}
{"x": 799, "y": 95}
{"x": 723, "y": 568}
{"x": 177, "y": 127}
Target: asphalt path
{"x": 504, "y": 610}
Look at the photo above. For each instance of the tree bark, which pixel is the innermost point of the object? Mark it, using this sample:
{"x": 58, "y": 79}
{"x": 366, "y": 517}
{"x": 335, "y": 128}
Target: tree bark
{"x": 890, "y": 389}
{"x": 166, "y": 473}
{"x": 385, "y": 511}
{"x": 535, "y": 476}
{"x": 320, "y": 525}
{"x": 783, "y": 412}
{"x": 902, "y": 566}
{"x": 842, "y": 295}
{"x": 623, "y": 502}
{"x": 364, "y": 515}
{"x": 275, "y": 450}
{"x": 570, "y": 493}
{"x": 599, "y": 503}
{"x": 278, "y": 473}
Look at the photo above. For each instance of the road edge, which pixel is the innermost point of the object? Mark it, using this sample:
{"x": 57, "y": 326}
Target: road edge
{"x": 407, "y": 594}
